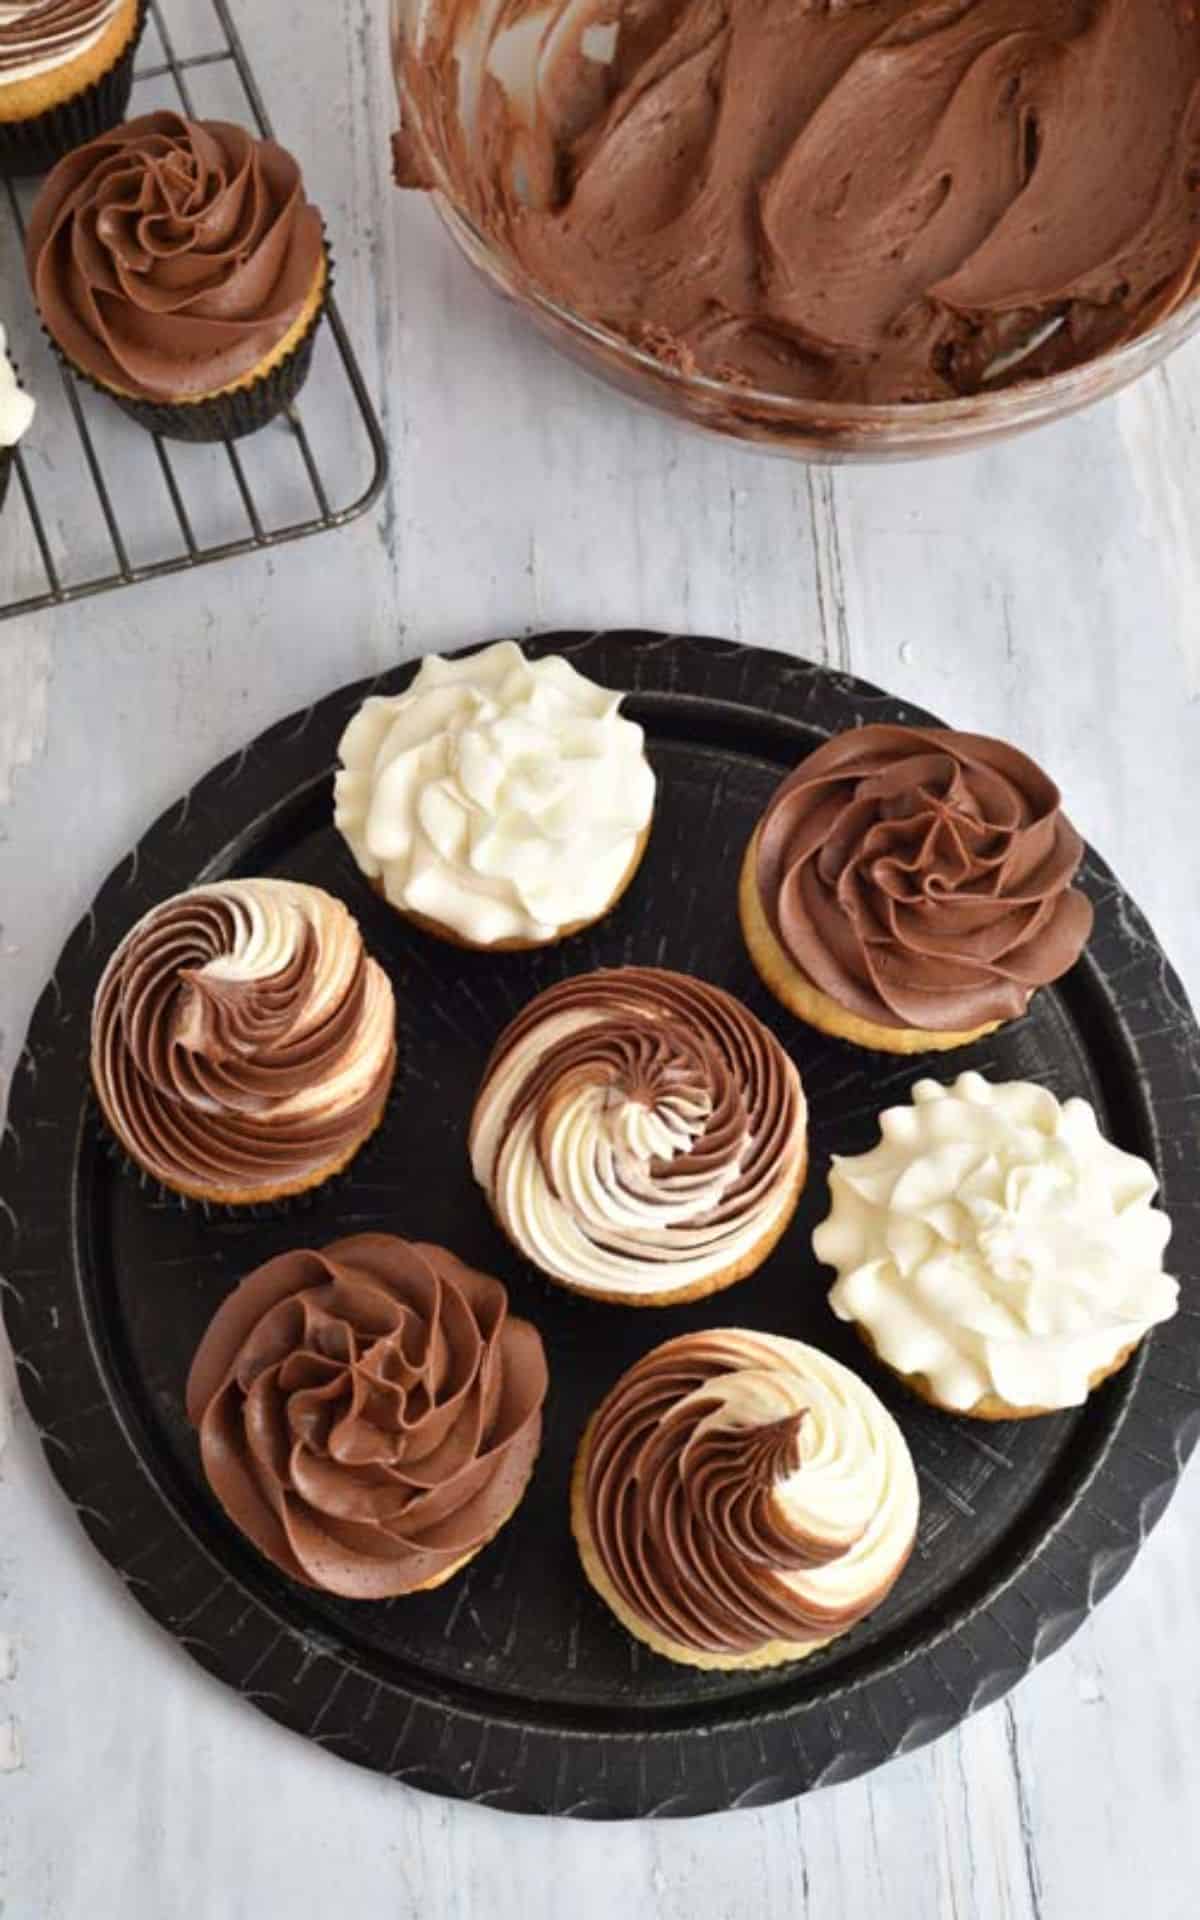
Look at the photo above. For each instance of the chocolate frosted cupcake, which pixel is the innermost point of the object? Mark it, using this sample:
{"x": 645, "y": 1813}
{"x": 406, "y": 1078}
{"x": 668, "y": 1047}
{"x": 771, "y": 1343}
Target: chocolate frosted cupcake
{"x": 910, "y": 888}
{"x": 641, "y": 1136}
{"x": 66, "y": 70}
{"x": 178, "y": 266}
{"x": 243, "y": 1041}
{"x": 369, "y": 1415}
{"x": 740, "y": 1500}
{"x": 16, "y": 414}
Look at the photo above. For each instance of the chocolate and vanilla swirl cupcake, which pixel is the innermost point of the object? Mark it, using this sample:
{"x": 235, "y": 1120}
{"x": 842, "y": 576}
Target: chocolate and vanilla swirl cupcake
{"x": 243, "y": 1041}
{"x": 641, "y": 1136}
{"x": 369, "y": 1414}
{"x": 66, "y": 72}
{"x": 740, "y": 1499}
{"x": 910, "y": 888}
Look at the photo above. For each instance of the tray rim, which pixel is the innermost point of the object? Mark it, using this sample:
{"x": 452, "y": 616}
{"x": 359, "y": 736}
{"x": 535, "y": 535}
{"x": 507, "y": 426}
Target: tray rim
{"x": 446, "y": 1745}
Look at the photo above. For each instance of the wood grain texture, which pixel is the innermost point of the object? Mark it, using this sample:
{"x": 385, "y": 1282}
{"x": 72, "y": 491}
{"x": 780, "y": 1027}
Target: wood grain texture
{"x": 1049, "y": 591}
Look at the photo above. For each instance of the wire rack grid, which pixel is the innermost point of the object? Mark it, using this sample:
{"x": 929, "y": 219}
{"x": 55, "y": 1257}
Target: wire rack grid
{"x": 123, "y": 569}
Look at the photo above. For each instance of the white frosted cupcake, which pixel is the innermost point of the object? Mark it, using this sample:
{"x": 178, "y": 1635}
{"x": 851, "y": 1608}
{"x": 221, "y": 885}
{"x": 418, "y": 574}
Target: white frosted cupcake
{"x": 995, "y": 1250}
{"x": 501, "y": 802}
{"x": 16, "y": 414}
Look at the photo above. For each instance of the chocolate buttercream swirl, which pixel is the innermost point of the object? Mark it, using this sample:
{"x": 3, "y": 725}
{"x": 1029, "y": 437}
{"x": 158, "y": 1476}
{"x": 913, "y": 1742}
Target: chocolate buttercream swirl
{"x": 639, "y": 1132}
{"x": 369, "y": 1415}
{"x": 171, "y": 257}
{"x": 243, "y": 1042}
{"x": 742, "y": 1492}
{"x": 844, "y": 200}
{"x": 922, "y": 878}
{"x": 45, "y": 34}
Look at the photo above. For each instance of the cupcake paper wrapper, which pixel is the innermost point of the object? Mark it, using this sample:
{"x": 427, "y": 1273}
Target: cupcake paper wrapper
{"x": 34, "y": 146}
{"x": 233, "y": 415}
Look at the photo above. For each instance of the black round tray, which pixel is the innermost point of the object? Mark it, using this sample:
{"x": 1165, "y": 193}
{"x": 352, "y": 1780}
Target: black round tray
{"x": 513, "y": 1685}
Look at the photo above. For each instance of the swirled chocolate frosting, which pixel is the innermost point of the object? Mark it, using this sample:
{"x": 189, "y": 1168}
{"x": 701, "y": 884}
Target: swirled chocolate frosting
{"x": 922, "y": 878}
{"x": 742, "y": 1490}
{"x": 243, "y": 1042}
{"x": 639, "y": 1132}
{"x": 170, "y": 257}
{"x": 38, "y": 35}
{"x": 856, "y": 200}
{"x": 369, "y": 1415}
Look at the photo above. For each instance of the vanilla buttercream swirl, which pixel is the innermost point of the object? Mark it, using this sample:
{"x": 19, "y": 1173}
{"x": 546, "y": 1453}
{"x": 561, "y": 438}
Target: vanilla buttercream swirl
{"x": 16, "y": 406}
{"x": 369, "y": 1414}
{"x": 171, "y": 257}
{"x": 922, "y": 878}
{"x": 242, "y": 1038}
{"x": 502, "y": 797}
{"x": 36, "y": 36}
{"x": 639, "y": 1132}
{"x": 744, "y": 1490}
{"x": 996, "y": 1243}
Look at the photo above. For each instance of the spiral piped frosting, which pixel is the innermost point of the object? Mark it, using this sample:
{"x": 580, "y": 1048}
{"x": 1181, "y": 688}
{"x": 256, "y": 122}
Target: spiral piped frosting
{"x": 243, "y": 1042}
{"x": 922, "y": 878}
{"x": 369, "y": 1415}
{"x": 744, "y": 1495}
{"x": 997, "y": 1245}
{"x": 171, "y": 257}
{"x": 640, "y": 1134}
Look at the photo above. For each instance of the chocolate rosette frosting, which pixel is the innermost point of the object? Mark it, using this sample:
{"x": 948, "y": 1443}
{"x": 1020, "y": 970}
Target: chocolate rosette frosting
{"x": 369, "y": 1415}
{"x": 741, "y": 1494}
{"x": 922, "y": 878}
{"x": 171, "y": 257}
{"x": 640, "y": 1134}
{"x": 243, "y": 1042}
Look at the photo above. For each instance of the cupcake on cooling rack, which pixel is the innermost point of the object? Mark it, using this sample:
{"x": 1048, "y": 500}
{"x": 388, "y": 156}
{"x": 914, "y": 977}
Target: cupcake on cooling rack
{"x": 740, "y": 1500}
{"x": 178, "y": 266}
{"x": 16, "y": 415}
{"x": 995, "y": 1250}
{"x": 910, "y": 888}
{"x": 243, "y": 1041}
{"x": 66, "y": 71}
{"x": 500, "y": 802}
{"x": 641, "y": 1137}
{"x": 369, "y": 1414}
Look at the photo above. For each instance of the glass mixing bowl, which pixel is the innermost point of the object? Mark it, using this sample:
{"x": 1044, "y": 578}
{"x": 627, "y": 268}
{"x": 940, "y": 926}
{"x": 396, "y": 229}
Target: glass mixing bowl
{"x": 803, "y": 429}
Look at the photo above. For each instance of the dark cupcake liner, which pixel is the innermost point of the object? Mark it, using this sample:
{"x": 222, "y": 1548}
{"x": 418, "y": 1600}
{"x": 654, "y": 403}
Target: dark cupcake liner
{"x": 34, "y": 146}
{"x": 7, "y": 456}
{"x": 243, "y": 410}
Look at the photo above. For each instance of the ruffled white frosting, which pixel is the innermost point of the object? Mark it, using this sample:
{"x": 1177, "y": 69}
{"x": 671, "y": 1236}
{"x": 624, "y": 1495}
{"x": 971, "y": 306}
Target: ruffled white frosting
{"x": 499, "y": 796}
{"x": 52, "y": 43}
{"x": 996, "y": 1243}
{"x": 854, "y": 1484}
{"x": 16, "y": 406}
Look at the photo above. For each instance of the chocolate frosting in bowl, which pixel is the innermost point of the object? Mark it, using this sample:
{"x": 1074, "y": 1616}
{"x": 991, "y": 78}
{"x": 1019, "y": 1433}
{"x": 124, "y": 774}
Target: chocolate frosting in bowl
{"x": 243, "y": 1041}
{"x": 876, "y": 201}
{"x": 369, "y": 1415}
{"x": 921, "y": 878}
{"x": 741, "y": 1489}
{"x": 171, "y": 257}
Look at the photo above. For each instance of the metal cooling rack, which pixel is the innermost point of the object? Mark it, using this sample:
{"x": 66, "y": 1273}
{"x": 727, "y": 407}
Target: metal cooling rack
{"x": 60, "y": 588}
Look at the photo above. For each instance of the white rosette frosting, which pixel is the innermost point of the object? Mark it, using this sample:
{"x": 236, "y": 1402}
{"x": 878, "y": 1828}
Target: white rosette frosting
{"x": 997, "y": 1244}
{"x": 502, "y": 797}
{"x": 16, "y": 406}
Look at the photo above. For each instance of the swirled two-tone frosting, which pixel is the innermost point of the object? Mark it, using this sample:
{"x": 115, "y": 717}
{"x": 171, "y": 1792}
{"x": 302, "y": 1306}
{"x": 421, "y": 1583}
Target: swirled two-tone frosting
{"x": 171, "y": 257}
{"x": 502, "y": 797}
{"x": 36, "y": 36}
{"x": 921, "y": 878}
{"x": 640, "y": 1134}
{"x": 16, "y": 406}
{"x": 742, "y": 1492}
{"x": 997, "y": 1244}
{"x": 369, "y": 1415}
{"x": 878, "y": 201}
{"x": 243, "y": 1042}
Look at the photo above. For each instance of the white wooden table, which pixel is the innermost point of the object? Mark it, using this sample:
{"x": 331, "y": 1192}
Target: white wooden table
{"x": 1048, "y": 592}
